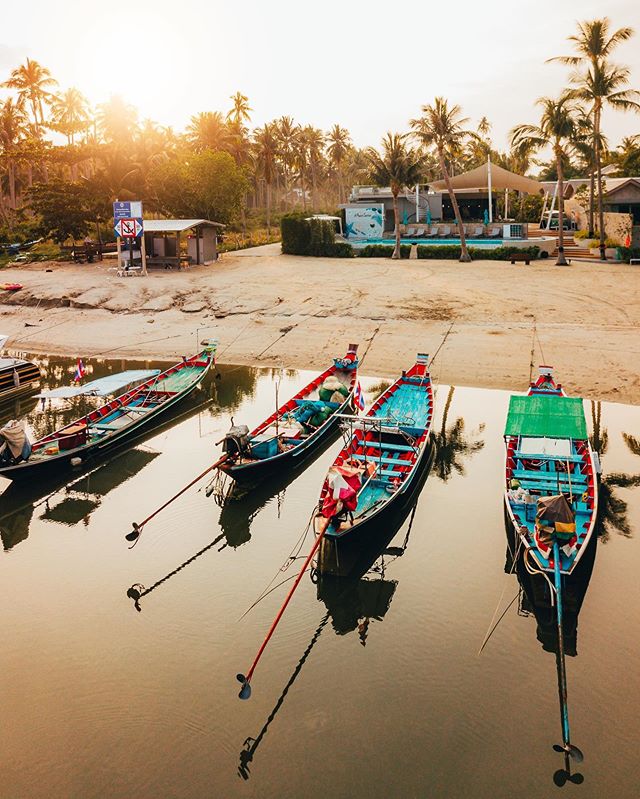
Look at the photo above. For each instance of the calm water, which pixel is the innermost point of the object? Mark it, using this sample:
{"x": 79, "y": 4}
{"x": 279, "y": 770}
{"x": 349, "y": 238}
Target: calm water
{"x": 372, "y": 688}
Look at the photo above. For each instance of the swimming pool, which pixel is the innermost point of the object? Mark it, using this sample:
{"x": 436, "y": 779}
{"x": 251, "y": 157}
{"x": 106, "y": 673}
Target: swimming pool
{"x": 431, "y": 242}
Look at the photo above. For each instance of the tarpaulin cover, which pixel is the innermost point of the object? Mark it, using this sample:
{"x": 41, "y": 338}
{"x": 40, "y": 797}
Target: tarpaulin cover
{"x": 546, "y": 417}
{"x": 103, "y": 386}
{"x": 555, "y": 516}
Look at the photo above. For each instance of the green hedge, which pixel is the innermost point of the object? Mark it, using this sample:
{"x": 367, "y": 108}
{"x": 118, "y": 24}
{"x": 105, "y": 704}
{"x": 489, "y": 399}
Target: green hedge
{"x": 626, "y": 253}
{"x": 302, "y": 236}
{"x": 446, "y": 253}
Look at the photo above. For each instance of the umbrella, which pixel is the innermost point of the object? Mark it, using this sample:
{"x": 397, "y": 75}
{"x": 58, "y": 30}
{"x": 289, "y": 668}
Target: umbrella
{"x": 405, "y": 218}
{"x": 428, "y": 215}
{"x": 486, "y": 216}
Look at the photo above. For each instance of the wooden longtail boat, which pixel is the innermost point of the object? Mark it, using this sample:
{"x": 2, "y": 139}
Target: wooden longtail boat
{"x": 17, "y": 376}
{"x": 297, "y": 429}
{"x": 114, "y": 424}
{"x": 545, "y": 384}
{"x": 548, "y": 454}
{"x": 374, "y": 475}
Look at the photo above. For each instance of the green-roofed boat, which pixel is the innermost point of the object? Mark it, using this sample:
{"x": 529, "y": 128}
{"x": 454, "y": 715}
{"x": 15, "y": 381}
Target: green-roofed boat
{"x": 548, "y": 455}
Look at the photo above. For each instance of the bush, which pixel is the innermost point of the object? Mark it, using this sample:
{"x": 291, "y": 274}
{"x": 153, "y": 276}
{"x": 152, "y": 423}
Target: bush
{"x": 385, "y": 251}
{"x": 581, "y": 234}
{"x": 302, "y": 236}
{"x": 476, "y": 253}
{"x": 627, "y": 253}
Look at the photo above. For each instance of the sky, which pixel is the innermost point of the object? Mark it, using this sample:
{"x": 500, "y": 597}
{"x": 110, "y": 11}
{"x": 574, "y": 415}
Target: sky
{"x": 367, "y": 66}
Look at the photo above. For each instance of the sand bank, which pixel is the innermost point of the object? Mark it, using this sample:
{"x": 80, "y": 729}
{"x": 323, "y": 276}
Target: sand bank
{"x": 274, "y": 310}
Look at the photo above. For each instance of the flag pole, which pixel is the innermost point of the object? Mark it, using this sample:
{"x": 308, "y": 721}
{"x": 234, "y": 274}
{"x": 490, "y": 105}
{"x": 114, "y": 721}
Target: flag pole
{"x": 489, "y": 185}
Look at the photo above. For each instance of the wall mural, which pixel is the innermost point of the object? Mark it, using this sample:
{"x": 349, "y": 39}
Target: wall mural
{"x": 364, "y": 223}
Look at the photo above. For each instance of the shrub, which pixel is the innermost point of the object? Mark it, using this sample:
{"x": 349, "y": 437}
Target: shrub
{"x": 581, "y": 234}
{"x": 302, "y": 236}
{"x": 447, "y": 253}
{"x": 384, "y": 251}
{"x": 626, "y": 253}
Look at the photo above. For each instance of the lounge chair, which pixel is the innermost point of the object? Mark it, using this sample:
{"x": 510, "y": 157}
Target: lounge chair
{"x": 444, "y": 232}
{"x": 476, "y": 232}
{"x": 410, "y": 231}
{"x": 433, "y": 232}
{"x": 493, "y": 232}
{"x": 420, "y": 231}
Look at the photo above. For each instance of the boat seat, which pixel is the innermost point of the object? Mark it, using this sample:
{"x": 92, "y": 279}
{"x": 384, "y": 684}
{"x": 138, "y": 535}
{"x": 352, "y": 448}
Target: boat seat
{"x": 526, "y": 456}
{"x": 386, "y": 445}
{"x": 391, "y": 472}
{"x": 526, "y": 474}
{"x": 378, "y": 459}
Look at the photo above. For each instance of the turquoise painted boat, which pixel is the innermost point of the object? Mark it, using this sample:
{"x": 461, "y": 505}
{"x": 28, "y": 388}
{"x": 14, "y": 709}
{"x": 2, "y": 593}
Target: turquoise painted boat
{"x": 112, "y": 425}
{"x": 376, "y": 474}
{"x": 548, "y": 455}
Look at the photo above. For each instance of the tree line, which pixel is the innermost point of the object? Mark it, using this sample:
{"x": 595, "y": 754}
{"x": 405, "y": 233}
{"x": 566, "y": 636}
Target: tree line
{"x": 62, "y": 163}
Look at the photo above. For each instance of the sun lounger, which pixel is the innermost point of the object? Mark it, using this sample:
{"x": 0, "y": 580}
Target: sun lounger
{"x": 476, "y": 233}
{"x": 420, "y": 231}
{"x": 493, "y": 232}
{"x": 444, "y": 232}
{"x": 410, "y": 231}
{"x": 433, "y": 232}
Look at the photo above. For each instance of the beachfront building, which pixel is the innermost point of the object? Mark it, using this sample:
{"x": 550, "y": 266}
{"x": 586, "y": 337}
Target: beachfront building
{"x": 172, "y": 243}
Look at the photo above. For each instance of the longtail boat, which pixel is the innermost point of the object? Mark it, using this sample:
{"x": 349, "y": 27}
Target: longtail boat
{"x": 375, "y": 473}
{"x": 548, "y": 455}
{"x": 17, "y": 376}
{"x": 113, "y": 424}
{"x": 551, "y": 501}
{"x": 296, "y": 430}
{"x": 545, "y": 383}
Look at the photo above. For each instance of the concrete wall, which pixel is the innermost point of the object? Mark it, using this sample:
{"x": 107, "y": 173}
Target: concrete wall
{"x": 618, "y": 226}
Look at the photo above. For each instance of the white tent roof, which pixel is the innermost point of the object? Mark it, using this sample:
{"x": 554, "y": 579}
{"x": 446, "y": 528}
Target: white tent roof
{"x": 500, "y": 179}
{"x": 176, "y": 225}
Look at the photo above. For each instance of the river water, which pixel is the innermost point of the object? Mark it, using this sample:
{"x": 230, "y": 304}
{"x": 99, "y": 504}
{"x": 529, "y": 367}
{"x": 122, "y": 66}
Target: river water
{"x": 370, "y": 687}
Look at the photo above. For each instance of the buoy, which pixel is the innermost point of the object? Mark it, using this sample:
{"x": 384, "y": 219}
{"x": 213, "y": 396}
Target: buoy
{"x": 76, "y": 461}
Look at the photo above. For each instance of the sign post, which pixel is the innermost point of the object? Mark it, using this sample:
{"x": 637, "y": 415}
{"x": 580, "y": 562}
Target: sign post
{"x": 128, "y": 224}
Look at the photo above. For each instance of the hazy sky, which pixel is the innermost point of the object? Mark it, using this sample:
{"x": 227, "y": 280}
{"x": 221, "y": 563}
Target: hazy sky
{"x": 368, "y": 66}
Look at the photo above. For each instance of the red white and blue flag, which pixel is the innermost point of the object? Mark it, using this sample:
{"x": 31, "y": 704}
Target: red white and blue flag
{"x": 80, "y": 371}
{"x": 359, "y": 396}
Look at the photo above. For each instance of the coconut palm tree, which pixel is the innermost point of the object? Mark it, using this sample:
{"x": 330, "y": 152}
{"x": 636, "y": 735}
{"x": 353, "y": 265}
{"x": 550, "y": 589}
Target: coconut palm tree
{"x": 440, "y": 127}
{"x": 339, "y": 144}
{"x": 626, "y": 156}
{"x": 69, "y": 113}
{"x": 314, "y": 140}
{"x": 240, "y": 112}
{"x": 398, "y": 167}
{"x": 452, "y": 445}
{"x": 12, "y": 128}
{"x": 558, "y": 129}
{"x": 117, "y": 120}
{"x": 208, "y": 131}
{"x": 266, "y": 150}
{"x": 601, "y": 84}
{"x": 32, "y": 81}
{"x": 286, "y": 133}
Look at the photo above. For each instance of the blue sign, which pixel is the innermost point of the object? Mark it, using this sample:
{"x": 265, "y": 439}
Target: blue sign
{"x": 127, "y": 210}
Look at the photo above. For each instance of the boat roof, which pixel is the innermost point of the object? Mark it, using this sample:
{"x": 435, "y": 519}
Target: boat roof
{"x": 103, "y": 386}
{"x": 546, "y": 417}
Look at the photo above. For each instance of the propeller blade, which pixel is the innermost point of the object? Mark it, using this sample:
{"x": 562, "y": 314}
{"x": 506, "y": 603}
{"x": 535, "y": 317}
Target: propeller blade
{"x": 576, "y": 778}
{"x": 575, "y": 753}
{"x": 135, "y": 533}
{"x": 560, "y": 777}
{"x": 245, "y": 691}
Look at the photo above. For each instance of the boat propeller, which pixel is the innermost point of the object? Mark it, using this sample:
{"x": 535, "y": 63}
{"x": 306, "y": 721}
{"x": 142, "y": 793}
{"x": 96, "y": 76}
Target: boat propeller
{"x": 245, "y": 691}
{"x": 562, "y": 776}
{"x": 570, "y": 750}
{"x": 135, "y": 533}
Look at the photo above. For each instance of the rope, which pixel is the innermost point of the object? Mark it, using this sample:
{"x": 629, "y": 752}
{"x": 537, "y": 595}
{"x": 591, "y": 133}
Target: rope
{"x": 533, "y": 346}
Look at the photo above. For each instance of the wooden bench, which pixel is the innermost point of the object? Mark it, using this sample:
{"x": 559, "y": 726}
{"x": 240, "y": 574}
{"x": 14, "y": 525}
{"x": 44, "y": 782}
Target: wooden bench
{"x": 521, "y": 256}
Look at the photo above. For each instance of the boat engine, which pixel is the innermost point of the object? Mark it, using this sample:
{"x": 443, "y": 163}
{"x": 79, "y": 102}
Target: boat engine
{"x": 236, "y": 442}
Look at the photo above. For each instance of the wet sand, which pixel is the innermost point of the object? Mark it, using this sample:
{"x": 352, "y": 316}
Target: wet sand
{"x": 273, "y": 310}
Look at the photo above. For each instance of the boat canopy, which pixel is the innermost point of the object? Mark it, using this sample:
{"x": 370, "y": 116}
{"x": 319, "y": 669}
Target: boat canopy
{"x": 546, "y": 417}
{"x": 103, "y": 386}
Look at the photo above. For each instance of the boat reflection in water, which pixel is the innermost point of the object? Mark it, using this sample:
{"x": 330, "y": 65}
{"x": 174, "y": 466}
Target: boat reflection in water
{"x": 352, "y": 603}
{"x": 70, "y": 504}
{"x": 537, "y": 598}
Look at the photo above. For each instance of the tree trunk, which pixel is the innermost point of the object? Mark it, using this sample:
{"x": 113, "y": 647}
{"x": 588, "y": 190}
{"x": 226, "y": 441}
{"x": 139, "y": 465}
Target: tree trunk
{"x": 562, "y": 261}
{"x": 464, "y": 252}
{"x": 396, "y": 216}
{"x": 11, "y": 171}
{"x": 596, "y": 129}
{"x": 591, "y": 201}
{"x": 268, "y": 212}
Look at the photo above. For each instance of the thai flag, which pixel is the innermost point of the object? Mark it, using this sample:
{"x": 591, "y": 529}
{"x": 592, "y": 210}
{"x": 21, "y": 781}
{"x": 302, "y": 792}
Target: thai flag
{"x": 358, "y": 396}
{"x": 80, "y": 371}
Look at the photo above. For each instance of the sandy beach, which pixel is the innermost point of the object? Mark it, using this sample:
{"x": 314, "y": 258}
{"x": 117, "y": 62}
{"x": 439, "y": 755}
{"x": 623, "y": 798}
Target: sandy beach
{"x": 273, "y": 310}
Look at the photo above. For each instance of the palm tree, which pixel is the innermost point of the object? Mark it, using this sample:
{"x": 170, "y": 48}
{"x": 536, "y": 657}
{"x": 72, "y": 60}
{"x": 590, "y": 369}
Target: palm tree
{"x": 397, "y": 167}
{"x": 600, "y": 83}
{"x": 12, "y": 129}
{"x": 69, "y": 113}
{"x": 240, "y": 111}
{"x": 117, "y": 120}
{"x": 626, "y": 156}
{"x": 286, "y": 134}
{"x": 266, "y": 148}
{"x": 338, "y": 149}
{"x": 208, "y": 131}
{"x": 32, "y": 81}
{"x": 558, "y": 130}
{"x": 451, "y": 444}
{"x": 585, "y": 150}
{"x": 314, "y": 140}
{"x": 441, "y": 127}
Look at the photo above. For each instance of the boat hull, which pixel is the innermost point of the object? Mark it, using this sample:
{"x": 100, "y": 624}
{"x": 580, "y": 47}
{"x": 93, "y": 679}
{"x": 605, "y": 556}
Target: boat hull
{"x": 45, "y": 468}
{"x": 356, "y": 549}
